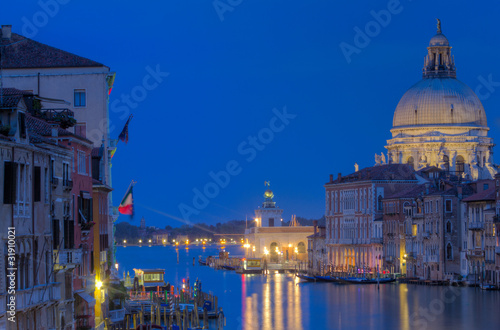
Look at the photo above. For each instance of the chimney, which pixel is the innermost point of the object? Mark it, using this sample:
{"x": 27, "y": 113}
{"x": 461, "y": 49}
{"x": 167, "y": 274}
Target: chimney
{"x": 331, "y": 178}
{"x": 315, "y": 224}
{"x": 339, "y": 176}
{"x": 6, "y": 31}
{"x": 55, "y": 131}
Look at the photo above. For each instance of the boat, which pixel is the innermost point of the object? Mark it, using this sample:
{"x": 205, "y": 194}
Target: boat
{"x": 306, "y": 277}
{"x": 326, "y": 279}
{"x": 202, "y": 262}
{"x": 488, "y": 287}
{"x": 228, "y": 267}
{"x": 364, "y": 280}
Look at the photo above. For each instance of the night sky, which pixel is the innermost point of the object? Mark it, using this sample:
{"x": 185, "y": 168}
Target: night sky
{"x": 231, "y": 62}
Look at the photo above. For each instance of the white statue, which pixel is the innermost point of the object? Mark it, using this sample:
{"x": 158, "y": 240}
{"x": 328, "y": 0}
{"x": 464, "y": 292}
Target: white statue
{"x": 382, "y": 158}
{"x": 356, "y": 167}
{"x": 377, "y": 160}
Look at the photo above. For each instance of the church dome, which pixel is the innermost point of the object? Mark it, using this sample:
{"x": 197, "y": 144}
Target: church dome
{"x": 439, "y": 101}
{"x": 439, "y": 40}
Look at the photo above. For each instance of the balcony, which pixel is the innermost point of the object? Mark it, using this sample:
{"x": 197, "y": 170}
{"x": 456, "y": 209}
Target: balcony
{"x": 67, "y": 184}
{"x": 475, "y": 253}
{"x": 67, "y": 257}
{"x": 431, "y": 259}
{"x": 103, "y": 256}
{"x": 377, "y": 240}
{"x": 117, "y": 315}
{"x": 476, "y": 226}
{"x": 54, "y": 182}
{"x": 497, "y": 249}
{"x": 40, "y": 294}
{"x": 345, "y": 241}
{"x": 426, "y": 235}
{"x": 63, "y": 117}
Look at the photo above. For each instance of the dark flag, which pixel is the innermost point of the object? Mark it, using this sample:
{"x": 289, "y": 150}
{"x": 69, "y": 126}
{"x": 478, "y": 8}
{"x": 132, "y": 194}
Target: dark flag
{"x": 124, "y": 134}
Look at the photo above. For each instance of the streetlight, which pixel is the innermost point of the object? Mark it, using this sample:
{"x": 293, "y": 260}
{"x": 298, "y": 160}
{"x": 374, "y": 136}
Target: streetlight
{"x": 98, "y": 285}
{"x": 124, "y": 241}
{"x": 140, "y": 241}
{"x": 149, "y": 241}
{"x": 116, "y": 266}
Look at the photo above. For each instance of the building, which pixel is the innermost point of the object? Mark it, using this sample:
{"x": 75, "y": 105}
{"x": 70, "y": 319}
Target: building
{"x": 354, "y": 214}
{"x": 270, "y": 238}
{"x": 317, "y": 263}
{"x": 160, "y": 236}
{"x": 441, "y": 122}
{"x": 480, "y": 241}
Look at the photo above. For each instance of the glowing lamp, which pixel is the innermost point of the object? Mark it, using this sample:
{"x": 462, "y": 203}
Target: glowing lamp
{"x": 98, "y": 285}
{"x": 116, "y": 266}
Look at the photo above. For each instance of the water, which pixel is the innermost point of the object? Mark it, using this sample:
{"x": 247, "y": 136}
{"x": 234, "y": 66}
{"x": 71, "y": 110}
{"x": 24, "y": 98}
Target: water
{"x": 279, "y": 301}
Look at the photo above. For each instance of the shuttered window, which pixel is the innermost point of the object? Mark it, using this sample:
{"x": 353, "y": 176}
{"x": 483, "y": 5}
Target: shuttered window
{"x": 37, "y": 189}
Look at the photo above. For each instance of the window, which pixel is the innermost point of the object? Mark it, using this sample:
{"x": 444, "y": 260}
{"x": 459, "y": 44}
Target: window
{"x": 271, "y": 222}
{"x": 9, "y": 184}
{"x": 38, "y": 184}
{"x": 448, "y": 205}
{"x": 446, "y": 161}
{"x": 379, "y": 204}
{"x": 448, "y": 227}
{"x": 301, "y": 247}
{"x": 81, "y": 129}
{"x": 411, "y": 162}
{"x": 449, "y": 252}
{"x": 46, "y": 185}
{"x": 80, "y": 100}
{"x": 22, "y": 125}
{"x": 459, "y": 166}
{"x": 485, "y": 186}
{"x": 55, "y": 234}
{"x": 81, "y": 162}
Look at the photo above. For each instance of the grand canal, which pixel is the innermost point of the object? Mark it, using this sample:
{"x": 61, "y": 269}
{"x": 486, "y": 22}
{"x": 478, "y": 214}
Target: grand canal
{"x": 279, "y": 301}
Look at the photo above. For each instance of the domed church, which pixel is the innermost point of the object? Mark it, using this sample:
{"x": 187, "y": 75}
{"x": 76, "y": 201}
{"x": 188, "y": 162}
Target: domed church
{"x": 441, "y": 122}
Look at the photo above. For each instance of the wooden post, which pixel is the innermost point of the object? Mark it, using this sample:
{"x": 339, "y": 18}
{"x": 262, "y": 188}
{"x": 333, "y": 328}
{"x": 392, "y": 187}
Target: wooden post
{"x": 165, "y": 317}
{"x": 141, "y": 318}
{"x": 134, "y": 316}
{"x": 215, "y": 303}
{"x": 185, "y": 319}
{"x": 152, "y": 315}
{"x": 196, "y": 315}
{"x": 126, "y": 322}
{"x": 205, "y": 318}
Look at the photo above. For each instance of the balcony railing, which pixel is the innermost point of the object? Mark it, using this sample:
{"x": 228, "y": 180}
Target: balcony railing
{"x": 67, "y": 257}
{"x": 477, "y": 253}
{"x": 345, "y": 241}
{"x": 54, "y": 182}
{"x": 117, "y": 315}
{"x": 377, "y": 240}
{"x": 431, "y": 259}
{"x": 476, "y": 226}
{"x": 67, "y": 184}
{"x": 64, "y": 117}
{"x": 40, "y": 294}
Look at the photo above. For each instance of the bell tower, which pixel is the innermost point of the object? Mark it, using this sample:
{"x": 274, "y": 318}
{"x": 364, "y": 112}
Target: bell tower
{"x": 268, "y": 215}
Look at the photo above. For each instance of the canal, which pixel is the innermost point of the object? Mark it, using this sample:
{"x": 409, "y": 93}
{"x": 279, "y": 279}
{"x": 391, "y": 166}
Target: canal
{"x": 279, "y": 301}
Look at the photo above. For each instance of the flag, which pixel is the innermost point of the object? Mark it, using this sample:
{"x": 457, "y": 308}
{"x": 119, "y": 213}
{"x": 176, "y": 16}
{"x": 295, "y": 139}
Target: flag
{"x": 124, "y": 134}
{"x": 127, "y": 204}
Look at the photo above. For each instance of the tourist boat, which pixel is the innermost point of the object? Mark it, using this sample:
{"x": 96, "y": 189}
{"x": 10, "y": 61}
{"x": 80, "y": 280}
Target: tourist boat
{"x": 306, "y": 277}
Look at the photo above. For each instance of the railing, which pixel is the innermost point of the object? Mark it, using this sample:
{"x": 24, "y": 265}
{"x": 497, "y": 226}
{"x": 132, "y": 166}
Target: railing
{"x": 64, "y": 117}
{"x": 345, "y": 241}
{"x": 39, "y": 294}
{"x": 377, "y": 240}
{"x": 476, "y": 253}
{"x": 65, "y": 257}
{"x": 476, "y": 225}
{"x": 54, "y": 182}
{"x": 103, "y": 256}
{"x": 431, "y": 259}
{"x": 117, "y": 315}
{"x": 68, "y": 184}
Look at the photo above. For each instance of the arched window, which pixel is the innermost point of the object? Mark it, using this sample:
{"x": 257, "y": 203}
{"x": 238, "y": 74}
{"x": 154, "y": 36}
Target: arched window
{"x": 449, "y": 252}
{"x": 379, "y": 203}
{"x": 459, "y": 165}
{"x": 411, "y": 162}
{"x": 446, "y": 161}
{"x": 448, "y": 227}
{"x": 273, "y": 247}
{"x": 301, "y": 247}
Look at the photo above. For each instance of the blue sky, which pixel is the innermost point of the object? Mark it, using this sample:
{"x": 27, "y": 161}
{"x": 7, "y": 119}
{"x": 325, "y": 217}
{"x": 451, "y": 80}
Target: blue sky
{"x": 231, "y": 62}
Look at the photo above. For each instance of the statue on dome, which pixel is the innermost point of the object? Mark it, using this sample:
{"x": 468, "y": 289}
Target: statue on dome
{"x": 382, "y": 158}
{"x": 438, "y": 25}
{"x": 356, "y": 167}
{"x": 377, "y": 160}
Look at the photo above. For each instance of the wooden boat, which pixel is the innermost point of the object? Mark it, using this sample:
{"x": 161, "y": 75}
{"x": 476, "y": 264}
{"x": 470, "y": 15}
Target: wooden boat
{"x": 228, "y": 267}
{"x": 202, "y": 262}
{"x": 306, "y": 277}
{"x": 364, "y": 280}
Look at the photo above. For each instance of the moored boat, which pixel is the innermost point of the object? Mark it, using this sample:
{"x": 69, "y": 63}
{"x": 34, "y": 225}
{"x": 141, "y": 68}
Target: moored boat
{"x": 306, "y": 277}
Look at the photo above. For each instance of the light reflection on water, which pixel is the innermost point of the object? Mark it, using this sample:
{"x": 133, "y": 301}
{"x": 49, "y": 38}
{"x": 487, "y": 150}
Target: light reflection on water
{"x": 279, "y": 301}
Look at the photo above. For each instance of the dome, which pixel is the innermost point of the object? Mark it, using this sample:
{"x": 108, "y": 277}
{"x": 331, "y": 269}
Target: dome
{"x": 439, "y": 101}
{"x": 439, "y": 40}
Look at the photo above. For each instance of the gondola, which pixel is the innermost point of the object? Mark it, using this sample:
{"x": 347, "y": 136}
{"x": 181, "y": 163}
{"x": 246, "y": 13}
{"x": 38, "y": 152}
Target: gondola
{"x": 326, "y": 279}
{"x": 202, "y": 262}
{"x": 306, "y": 277}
